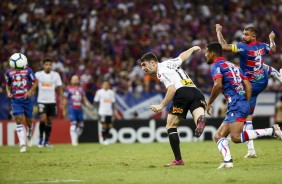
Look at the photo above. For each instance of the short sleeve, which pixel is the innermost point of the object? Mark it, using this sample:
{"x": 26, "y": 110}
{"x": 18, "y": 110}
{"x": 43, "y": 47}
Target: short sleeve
{"x": 216, "y": 72}
{"x": 7, "y": 79}
{"x": 268, "y": 49}
{"x": 59, "y": 80}
{"x": 97, "y": 96}
{"x": 238, "y": 48}
{"x": 31, "y": 75}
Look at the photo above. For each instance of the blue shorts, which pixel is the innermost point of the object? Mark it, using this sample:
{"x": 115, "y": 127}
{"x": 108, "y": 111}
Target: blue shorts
{"x": 238, "y": 112}
{"x": 75, "y": 115}
{"x": 21, "y": 106}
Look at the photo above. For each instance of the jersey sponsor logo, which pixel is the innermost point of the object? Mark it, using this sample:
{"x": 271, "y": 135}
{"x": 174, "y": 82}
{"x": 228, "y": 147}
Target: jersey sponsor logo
{"x": 187, "y": 82}
{"x": 107, "y": 100}
{"x": 256, "y": 52}
{"x": 19, "y": 82}
{"x": 177, "y": 110}
{"x": 46, "y": 84}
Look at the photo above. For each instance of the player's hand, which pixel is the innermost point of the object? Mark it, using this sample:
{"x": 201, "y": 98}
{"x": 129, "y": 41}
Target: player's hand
{"x": 27, "y": 95}
{"x": 218, "y": 28}
{"x": 209, "y": 106}
{"x": 10, "y": 95}
{"x": 156, "y": 108}
{"x": 272, "y": 35}
{"x": 196, "y": 48}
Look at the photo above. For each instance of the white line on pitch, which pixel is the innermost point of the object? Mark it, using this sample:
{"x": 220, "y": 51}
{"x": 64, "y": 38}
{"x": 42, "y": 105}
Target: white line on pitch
{"x": 54, "y": 181}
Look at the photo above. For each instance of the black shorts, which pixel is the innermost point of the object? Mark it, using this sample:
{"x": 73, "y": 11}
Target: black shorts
{"x": 105, "y": 119}
{"x": 185, "y": 99}
{"x": 50, "y": 109}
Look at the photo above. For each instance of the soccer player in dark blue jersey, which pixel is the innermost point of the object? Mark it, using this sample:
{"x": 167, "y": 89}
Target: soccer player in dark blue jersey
{"x": 20, "y": 85}
{"x": 252, "y": 54}
{"x": 235, "y": 86}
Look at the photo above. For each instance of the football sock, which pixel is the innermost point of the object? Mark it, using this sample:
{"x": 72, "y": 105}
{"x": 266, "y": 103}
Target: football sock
{"x": 21, "y": 134}
{"x": 249, "y": 126}
{"x": 107, "y": 132}
{"x": 174, "y": 143}
{"x": 104, "y": 133}
{"x": 29, "y": 127}
{"x": 41, "y": 129}
{"x": 79, "y": 130}
{"x": 73, "y": 134}
{"x": 224, "y": 149}
{"x": 48, "y": 130}
{"x": 274, "y": 73}
{"x": 253, "y": 134}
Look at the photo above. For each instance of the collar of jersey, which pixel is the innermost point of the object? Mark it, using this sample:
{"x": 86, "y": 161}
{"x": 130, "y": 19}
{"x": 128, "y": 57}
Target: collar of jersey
{"x": 253, "y": 43}
{"x": 219, "y": 59}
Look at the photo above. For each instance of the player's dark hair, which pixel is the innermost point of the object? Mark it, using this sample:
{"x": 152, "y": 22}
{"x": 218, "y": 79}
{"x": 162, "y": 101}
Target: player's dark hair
{"x": 252, "y": 30}
{"x": 47, "y": 60}
{"x": 148, "y": 56}
{"x": 215, "y": 47}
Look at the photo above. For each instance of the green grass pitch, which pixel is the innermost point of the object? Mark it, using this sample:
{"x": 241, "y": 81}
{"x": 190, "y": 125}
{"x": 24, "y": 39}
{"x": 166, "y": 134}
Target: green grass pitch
{"x": 140, "y": 163}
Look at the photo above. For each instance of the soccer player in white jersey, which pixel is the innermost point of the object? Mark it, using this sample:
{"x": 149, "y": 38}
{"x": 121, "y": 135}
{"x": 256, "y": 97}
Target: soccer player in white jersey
{"x": 105, "y": 101}
{"x": 182, "y": 91}
{"x": 48, "y": 82}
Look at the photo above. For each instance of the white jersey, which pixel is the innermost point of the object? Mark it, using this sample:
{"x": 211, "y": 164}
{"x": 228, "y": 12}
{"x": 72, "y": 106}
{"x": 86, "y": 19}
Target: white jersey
{"x": 105, "y": 98}
{"x": 47, "y": 82}
{"x": 170, "y": 73}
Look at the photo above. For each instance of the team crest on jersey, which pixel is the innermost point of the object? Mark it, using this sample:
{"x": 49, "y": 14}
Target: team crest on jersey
{"x": 177, "y": 110}
{"x": 159, "y": 75}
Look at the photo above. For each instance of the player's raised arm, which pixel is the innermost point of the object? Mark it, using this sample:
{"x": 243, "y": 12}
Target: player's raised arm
{"x": 220, "y": 38}
{"x": 186, "y": 54}
{"x": 272, "y": 43}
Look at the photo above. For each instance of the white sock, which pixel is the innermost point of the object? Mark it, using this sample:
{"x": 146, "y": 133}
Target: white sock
{"x": 21, "y": 134}
{"x": 275, "y": 74}
{"x": 254, "y": 134}
{"x": 223, "y": 147}
{"x": 79, "y": 130}
{"x": 249, "y": 126}
{"x": 73, "y": 134}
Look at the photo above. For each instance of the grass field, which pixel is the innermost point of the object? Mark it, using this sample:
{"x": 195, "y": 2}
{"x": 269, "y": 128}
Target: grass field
{"x": 139, "y": 163}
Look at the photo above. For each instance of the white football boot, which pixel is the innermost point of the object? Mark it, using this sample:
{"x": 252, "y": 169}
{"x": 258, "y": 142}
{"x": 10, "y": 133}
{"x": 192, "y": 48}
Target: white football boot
{"x": 277, "y": 132}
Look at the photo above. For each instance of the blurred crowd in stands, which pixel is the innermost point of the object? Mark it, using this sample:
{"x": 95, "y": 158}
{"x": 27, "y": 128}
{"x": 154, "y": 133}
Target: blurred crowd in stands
{"x": 103, "y": 39}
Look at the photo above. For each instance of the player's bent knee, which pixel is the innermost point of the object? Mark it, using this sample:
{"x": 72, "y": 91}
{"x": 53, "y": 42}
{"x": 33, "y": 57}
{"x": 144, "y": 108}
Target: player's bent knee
{"x": 236, "y": 138}
{"x": 217, "y": 137}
